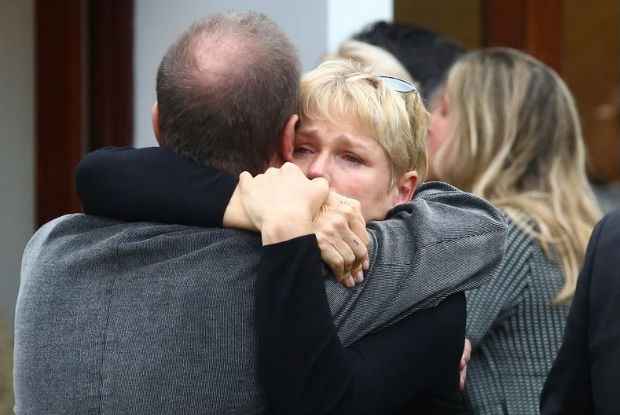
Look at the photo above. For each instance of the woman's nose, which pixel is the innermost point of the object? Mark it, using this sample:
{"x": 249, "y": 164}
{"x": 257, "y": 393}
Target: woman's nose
{"x": 319, "y": 168}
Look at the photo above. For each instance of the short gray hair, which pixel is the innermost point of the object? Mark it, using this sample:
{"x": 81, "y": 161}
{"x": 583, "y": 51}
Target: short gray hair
{"x": 233, "y": 122}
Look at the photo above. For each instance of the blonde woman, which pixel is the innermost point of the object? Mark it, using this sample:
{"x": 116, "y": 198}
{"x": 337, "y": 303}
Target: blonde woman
{"x": 365, "y": 134}
{"x": 378, "y": 60}
{"x": 506, "y": 128}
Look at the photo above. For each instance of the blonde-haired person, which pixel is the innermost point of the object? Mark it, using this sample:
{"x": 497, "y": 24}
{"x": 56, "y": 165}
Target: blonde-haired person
{"x": 506, "y": 128}
{"x": 365, "y": 134}
{"x": 376, "y": 59}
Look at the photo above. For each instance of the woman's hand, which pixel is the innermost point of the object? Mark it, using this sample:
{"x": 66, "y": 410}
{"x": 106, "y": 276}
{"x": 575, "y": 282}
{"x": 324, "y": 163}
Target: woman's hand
{"x": 286, "y": 200}
{"x": 341, "y": 232}
{"x": 465, "y": 358}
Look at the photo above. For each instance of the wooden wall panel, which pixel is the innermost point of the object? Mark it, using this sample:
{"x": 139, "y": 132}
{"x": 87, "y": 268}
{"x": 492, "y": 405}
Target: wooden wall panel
{"x": 534, "y": 26}
{"x": 60, "y": 104}
{"x": 581, "y": 41}
{"x": 460, "y": 20}
{"x": 84, "y": 91}
{"x": 111, "y": 73}
{"x": 591, "y": 67}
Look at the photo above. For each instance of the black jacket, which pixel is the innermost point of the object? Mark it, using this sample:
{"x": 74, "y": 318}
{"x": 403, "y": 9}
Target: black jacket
{"x": 585, "y": 377}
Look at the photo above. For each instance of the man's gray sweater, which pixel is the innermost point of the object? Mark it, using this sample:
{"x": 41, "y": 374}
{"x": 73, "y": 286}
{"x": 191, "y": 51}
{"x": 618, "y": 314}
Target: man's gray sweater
{"x": 144, "y": 318}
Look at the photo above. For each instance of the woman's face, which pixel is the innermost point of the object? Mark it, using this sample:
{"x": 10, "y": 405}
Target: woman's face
{"x": 354, "y": 163}
{"x": 439, "y": 133}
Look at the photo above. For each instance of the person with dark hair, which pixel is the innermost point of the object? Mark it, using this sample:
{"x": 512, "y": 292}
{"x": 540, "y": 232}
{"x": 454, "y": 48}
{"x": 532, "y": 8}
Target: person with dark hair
{"x": 584, "y": 375}
{"x": 153, "y": 318}
{"x": 425, "y": 54}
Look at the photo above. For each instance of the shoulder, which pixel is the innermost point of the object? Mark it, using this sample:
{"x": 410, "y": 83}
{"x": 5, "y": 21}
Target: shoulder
{"x": 445, "y": 208}
{"x": 520, "y": 251}
{"x": 608, "y": 229}
{"x": 518, "y": 239}
{"x": 429, "y": 189}
{"x": 80, "y": 235}
{"x": 443, "y": 192}
{"x": 60, "y": 230}
{"x": 604, "y": 243}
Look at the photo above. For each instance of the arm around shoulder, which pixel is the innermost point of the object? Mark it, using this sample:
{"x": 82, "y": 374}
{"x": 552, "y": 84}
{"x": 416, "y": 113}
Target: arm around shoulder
{"x": 443, "y": 242}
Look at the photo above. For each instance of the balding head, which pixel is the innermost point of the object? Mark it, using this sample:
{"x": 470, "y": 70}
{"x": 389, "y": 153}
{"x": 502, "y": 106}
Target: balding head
{"x": 226, "y": 89}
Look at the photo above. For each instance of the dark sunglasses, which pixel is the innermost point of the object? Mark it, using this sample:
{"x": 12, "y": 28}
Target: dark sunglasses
{"x": 398, "y": 85}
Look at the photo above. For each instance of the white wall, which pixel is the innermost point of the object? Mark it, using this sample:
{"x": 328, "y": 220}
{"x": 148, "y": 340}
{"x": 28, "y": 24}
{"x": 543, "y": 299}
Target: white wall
{"x": 16, "y": 143}
{"x": 313, "y": 26}
{"x": 159, "y": 22}
{"x": 346, "y": 17}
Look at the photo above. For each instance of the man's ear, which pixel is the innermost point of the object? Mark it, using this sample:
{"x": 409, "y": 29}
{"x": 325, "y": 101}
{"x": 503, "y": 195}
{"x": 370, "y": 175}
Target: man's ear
{"x": 287, "y": 139}
{"x": 406, "y": 187}
{"x": 155, "y": 122}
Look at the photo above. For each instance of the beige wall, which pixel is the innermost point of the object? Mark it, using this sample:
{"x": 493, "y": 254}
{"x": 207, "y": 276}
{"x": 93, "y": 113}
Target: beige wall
{"x": 17, "y": 143}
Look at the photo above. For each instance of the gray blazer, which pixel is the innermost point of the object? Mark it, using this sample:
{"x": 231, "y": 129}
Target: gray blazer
{"x": 146, "y": 318}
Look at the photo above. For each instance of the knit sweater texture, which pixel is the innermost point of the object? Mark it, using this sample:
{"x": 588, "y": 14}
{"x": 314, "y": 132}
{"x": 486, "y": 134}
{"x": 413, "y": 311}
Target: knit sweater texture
{"x": 145, "y": 318}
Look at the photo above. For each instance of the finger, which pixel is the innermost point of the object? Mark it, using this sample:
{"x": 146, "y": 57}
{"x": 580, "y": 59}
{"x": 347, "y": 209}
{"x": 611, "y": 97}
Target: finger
{"x": 322, "y": 184}
{"x": 353, "y": 251}
{"x": 467, "y": 351}
{"x": 351, "y": 210}
{"x": 245, "y": 179}
{"x": 350, "y": 283}
{"x": 320, "y": 189}
{"x": 346, "y": 253}
{"x": 332, "y": 258}
{"x": 462, "y": 379}
{"x": 245, "y": 176}
{"x": 347, "y": 280}
{"x": 359, "y": 249}
{"x": 361, "y": 254}
{"x": 291, "y": 168}
{"x": 342, "y": 230}
{"x": 358, "y": 275}
{"x": 358, "y": 246}
{"x": 288, "y": 166}
{"x": 358, "y": 226}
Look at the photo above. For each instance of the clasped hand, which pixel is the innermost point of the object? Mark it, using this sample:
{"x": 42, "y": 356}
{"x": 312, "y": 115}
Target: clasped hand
{"x": 283, "y": 203}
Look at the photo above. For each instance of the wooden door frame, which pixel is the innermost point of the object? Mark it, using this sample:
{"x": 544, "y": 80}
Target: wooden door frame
{"x": 84, "y": 92}
{"x": 534, "y": 26}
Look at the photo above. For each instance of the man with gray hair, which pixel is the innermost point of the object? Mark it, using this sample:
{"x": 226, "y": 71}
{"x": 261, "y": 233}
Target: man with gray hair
{"x": 146, "y": 318}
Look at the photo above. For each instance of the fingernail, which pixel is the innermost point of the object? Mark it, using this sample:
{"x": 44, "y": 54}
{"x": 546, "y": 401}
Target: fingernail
{"x": 351, "y": 282}
{"x": 359, "y": 276}
{"x": 366, "y": 264}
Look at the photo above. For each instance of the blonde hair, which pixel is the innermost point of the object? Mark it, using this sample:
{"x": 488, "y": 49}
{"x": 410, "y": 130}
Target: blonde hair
{"x": 517, "y": 142}
{"x": 340, "y": 89}
{"x": 378, "y": 60}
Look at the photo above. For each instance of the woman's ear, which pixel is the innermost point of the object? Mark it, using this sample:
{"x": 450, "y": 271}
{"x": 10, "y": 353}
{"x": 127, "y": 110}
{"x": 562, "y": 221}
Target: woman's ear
{"x": 406, "y": 187}
{"x": 155, "y": 122}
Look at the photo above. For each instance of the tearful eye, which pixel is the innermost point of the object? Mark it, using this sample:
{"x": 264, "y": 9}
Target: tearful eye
{"x": 352, "y": 158}
{"x": 302, "y": 151}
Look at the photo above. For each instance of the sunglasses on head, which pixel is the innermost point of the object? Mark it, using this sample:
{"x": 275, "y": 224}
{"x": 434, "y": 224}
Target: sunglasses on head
{"x": 398, "y": 85}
